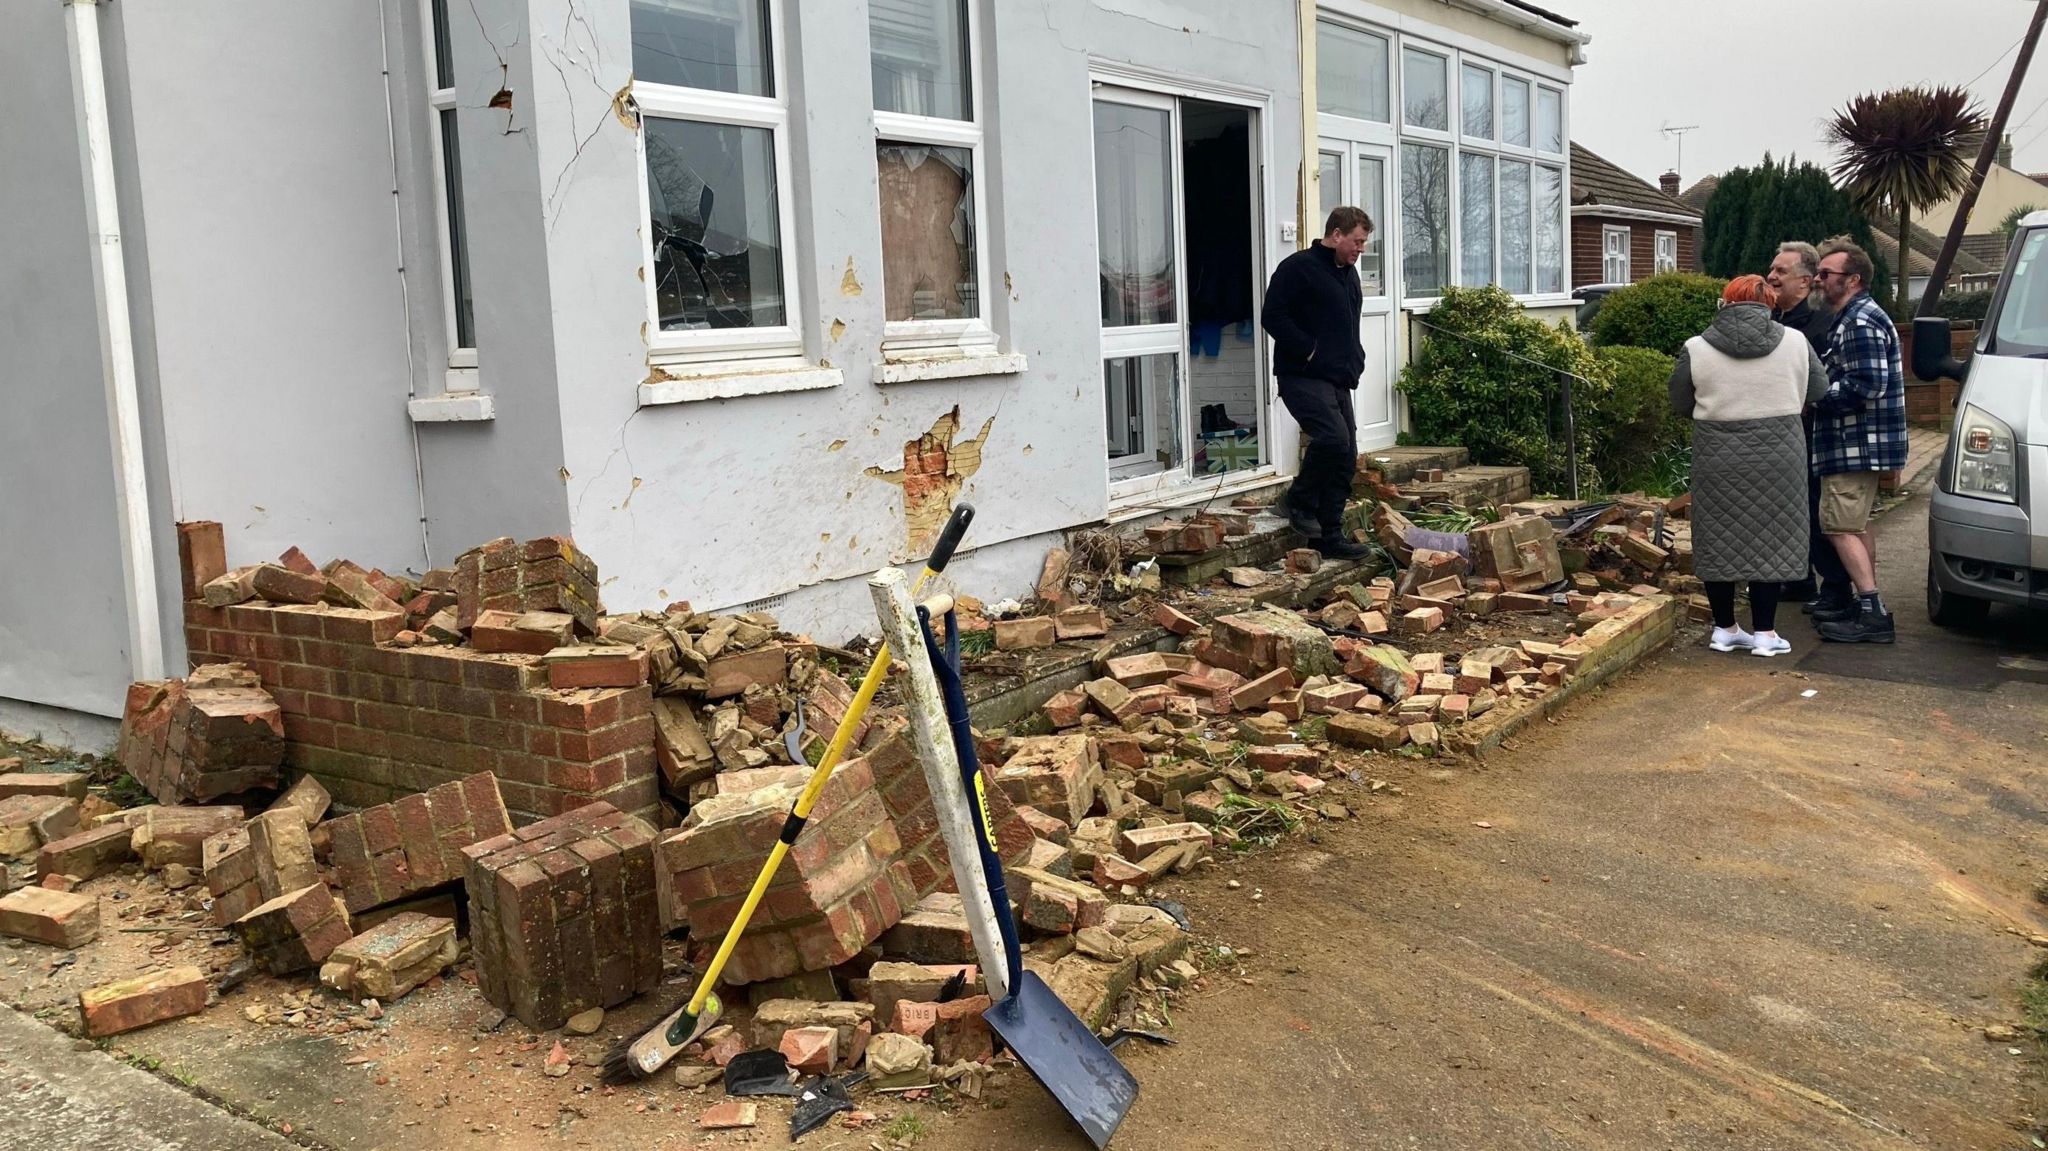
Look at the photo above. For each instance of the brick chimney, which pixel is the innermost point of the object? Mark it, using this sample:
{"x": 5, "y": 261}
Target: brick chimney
{"x": 1669, "y": 182}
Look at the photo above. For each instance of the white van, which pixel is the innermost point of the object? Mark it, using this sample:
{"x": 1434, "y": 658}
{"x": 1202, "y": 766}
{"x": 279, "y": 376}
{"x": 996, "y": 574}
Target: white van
{"x": 1988, "y": 525}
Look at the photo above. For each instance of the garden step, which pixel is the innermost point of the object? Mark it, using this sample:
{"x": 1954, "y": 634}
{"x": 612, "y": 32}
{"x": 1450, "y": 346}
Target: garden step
{"x": 1472, "y": 487}
{"x": 1399, "y": 465}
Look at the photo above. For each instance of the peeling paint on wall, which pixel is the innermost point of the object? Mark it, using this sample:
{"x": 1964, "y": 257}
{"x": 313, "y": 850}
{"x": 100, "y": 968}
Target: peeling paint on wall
{"x": 849, "y": 284}
{"x": 934, "y": 470}
{"x": 838, "y": 327}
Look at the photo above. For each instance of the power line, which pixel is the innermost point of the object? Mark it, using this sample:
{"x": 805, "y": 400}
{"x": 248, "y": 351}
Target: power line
{"x": 1994, "y": 63}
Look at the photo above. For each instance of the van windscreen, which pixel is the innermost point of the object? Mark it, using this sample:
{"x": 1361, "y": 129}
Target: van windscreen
{"x": 2021, "y": 326}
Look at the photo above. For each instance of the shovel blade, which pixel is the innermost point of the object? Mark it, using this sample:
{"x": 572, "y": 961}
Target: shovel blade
{"x": 1058, "y": 1048}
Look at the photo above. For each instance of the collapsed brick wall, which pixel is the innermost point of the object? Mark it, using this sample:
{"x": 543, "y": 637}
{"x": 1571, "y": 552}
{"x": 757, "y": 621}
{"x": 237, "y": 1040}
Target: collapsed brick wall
{"x": 374, "y": 721}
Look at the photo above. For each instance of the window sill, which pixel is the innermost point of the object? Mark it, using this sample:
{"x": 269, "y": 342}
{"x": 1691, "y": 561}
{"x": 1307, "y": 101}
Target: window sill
{"x": 451, "y": 408}
{"x": 685, "y": 384}
{"x": 910, "y": 367}
{"x": 1136, "y": 499}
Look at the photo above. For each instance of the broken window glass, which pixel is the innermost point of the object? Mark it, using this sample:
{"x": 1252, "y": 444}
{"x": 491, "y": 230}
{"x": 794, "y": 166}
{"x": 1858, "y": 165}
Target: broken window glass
{"x": 714, "y": 225}
{"x": 716, "y": 45}
{"x": 927, "y": 194}
{"x": 918, "y": 55}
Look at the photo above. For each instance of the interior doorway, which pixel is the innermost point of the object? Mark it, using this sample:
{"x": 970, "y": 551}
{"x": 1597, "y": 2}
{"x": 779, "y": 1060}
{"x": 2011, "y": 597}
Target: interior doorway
{"x": 1178, "y": 210}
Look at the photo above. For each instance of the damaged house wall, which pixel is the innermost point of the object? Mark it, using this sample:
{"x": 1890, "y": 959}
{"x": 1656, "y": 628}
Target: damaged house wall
{"x": 726, "y": 501}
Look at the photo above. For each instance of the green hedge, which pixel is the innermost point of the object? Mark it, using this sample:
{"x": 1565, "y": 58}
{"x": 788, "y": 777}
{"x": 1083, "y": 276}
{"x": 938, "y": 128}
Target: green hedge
{"x": 1485, "y": 377}
{"x": 1636, "y": 431}
{"x": 1660, "y": 313}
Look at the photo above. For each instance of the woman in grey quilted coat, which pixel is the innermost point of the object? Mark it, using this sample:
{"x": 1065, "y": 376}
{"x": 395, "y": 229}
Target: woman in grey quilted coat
{"x": 1743, "y": 384}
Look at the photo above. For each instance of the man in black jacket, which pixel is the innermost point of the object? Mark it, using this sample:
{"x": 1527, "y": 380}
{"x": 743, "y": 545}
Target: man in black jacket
{"x": 1311, "y": 311}
{"x": 1803, "y": 310}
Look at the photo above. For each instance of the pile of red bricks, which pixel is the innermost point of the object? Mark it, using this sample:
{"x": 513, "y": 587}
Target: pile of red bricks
{"x": 215, "y": 733}
{"x": 563, "y": 914}
{"x": 547, "y": 574}
{"x": 415, "y": 844}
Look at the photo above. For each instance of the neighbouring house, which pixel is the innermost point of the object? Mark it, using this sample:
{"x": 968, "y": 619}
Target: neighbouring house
{"x": 741, "y": 295}
{"x": 2006, "y": 190}
{"x": 1625, "y": 229}
{"x": 1966, "y": 273}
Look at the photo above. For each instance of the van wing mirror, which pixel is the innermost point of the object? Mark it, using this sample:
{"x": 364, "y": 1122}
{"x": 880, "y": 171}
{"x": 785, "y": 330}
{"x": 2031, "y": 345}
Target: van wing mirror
{"x": 1931, "y": 357}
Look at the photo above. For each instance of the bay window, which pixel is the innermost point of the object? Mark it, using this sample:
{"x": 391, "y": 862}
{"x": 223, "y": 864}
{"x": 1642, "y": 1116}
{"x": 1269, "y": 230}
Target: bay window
{"x": 715, "y": 148}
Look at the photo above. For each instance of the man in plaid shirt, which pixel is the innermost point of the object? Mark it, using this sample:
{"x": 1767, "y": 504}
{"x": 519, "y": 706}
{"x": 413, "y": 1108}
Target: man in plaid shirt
{"x": 1859, "y": 433}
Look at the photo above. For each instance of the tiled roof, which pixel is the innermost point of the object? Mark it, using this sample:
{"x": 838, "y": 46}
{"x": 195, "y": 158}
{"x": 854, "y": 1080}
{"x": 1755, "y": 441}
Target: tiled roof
{"x": 1597, "y": 183}
{"x": 1921, "y": 253}
{"x": 1988, "y": 248}
{"x": 1701, "y": 191}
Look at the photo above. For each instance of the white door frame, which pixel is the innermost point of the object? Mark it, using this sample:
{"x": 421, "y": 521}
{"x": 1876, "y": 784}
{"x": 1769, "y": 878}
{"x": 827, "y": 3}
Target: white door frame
{"x": 1125, "y": 85}
{"x": 1379, "y": 309}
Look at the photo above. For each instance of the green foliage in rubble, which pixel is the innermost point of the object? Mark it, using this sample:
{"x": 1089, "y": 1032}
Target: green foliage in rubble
{"x": 1662, "y": 312}
{"x": 1486, "y": 377}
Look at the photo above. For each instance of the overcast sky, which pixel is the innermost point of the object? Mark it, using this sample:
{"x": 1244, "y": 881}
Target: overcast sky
{"x": 1752, "y": 77}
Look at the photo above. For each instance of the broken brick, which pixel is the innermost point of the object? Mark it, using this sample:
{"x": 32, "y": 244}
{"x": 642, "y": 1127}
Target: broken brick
{"x": 282, "y": 850}
{"x": 305, "y": 796}
{"x": 1044, "y": 826}
{"x": 29, "y": 821}
{"x": 58, "y": 918}
{"x": 733, "y": 673}
{"x": 1385, "y": 670}
{"x": 521, "y": 633}
{"x": 1025, "y": 634}
{"x": 1258, "y": 691}
{"x": 570, "y": 668}
{"x": 87, "y": 853}
{"x": 1066, "y": 708}
{"x": 1422, "y": 620}
{"x": 65, "y": 784}
{"x": 1365, "y": 732}
{"x": 810, "y": 1050}
{"x": 1140, "y": 843}
{"x": 1080, "y": 623}
{"x": 125, "y": 1005}
{"x": 1146, "y": 669}
{"x": 1058, "y": 774}
{"x": 959, "y": 1033}
{"x": 280, "y": 584}
{"x": 891, "y": 982}
{"x": 1055, "y": 906}
{"x": 1304, "y": 561}
{"x": 167, "y": 835}
{"x": 1174, "y": 620}
{"x": 387, "y": 853}
{"x": 392, "y": 958}
{"x": 202, "y": 556}
{"x": 1285, "y": 757}
{"x": 296, "y": 930}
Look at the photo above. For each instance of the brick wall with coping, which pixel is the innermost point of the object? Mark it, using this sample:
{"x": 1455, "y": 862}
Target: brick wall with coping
{"x": 374, "y": 721}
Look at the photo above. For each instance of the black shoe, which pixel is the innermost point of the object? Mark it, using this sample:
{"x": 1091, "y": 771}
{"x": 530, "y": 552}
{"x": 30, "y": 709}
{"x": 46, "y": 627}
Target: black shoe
{"x": 1308, "y": 528}
{"x": 1833, "y": 609}
{"x": 1868, "y": 625}
{"x": 1340, "y": 548}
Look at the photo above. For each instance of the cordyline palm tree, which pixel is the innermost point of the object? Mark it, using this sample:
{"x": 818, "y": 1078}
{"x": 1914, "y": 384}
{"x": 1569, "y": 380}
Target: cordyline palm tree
{"x": 1905, "y": 151}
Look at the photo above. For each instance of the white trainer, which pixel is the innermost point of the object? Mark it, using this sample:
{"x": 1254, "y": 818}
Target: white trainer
{"x": 1731, "y": 639}
{"x": 1768, "y": 644}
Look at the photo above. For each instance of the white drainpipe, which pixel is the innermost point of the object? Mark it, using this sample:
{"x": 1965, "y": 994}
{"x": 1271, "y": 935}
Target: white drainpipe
{"x": 117, "y": 341}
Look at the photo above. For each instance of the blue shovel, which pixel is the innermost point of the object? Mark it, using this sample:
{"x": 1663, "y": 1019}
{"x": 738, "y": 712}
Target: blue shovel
{"x": 1044, "y": 1033}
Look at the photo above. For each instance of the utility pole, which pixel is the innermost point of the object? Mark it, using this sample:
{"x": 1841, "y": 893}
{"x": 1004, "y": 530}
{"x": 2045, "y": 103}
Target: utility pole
{"x": 1986, "y": 156}
{"x": 1678, "y": 132}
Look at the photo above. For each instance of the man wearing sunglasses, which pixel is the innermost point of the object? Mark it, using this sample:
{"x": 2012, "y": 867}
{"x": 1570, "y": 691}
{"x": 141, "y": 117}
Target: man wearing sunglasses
{"x": 1859, "y": 433}
{"x": 1802, "y": 309}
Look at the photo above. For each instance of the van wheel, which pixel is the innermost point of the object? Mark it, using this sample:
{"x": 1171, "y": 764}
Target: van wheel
{"x": 1947, "y": 609}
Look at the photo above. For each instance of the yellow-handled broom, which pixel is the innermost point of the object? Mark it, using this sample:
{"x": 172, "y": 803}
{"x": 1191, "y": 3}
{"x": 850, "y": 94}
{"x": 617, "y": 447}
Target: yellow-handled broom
{"x": 641, "y": 1057}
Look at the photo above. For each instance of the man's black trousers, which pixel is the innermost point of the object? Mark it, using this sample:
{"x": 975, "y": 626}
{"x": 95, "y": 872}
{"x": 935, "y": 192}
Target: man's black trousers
{"x": 1324, "y": 411}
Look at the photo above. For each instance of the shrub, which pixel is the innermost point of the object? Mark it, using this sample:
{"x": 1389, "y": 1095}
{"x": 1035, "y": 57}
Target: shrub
{"x": 1636, "y": 424}
{"x": 1485, "y": 377}
{"x": 1963, "y": 305}
{"x": 1660, "y": 313}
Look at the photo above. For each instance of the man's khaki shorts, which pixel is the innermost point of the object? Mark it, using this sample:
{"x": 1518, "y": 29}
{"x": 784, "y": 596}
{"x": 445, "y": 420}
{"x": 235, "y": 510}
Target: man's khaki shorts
{"x": 1847, "y": 500}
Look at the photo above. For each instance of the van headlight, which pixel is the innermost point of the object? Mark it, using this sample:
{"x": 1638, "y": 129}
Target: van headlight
{"x": 1987, "y": 461}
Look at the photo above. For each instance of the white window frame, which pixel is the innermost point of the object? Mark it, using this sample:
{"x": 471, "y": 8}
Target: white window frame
{"x": 461, "y": 376}
{"x": 1616, "y": 267}
{"x": 975, "y": 336}
{"x": 1665, "y": 252}
{"x": 671, "y": 102}
{"x": 1500, "y": 71}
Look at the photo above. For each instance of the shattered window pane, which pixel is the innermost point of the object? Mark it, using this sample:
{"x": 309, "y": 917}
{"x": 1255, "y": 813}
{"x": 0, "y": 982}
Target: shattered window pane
{"x": 918, "y": 55}
{"x": 928, "y": 231}
{"x": 716, "y": 45}
{"x": 714, "y": 225}
{"x": 1142, "y": 401}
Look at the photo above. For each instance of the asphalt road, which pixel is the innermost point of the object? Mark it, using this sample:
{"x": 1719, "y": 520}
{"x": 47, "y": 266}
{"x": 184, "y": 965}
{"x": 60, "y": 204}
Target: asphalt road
{"x": 1727, "y": 903}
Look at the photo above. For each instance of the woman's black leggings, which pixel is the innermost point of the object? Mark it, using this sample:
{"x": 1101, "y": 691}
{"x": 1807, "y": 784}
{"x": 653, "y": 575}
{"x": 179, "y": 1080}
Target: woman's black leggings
{"x": 1763, "y": 603}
